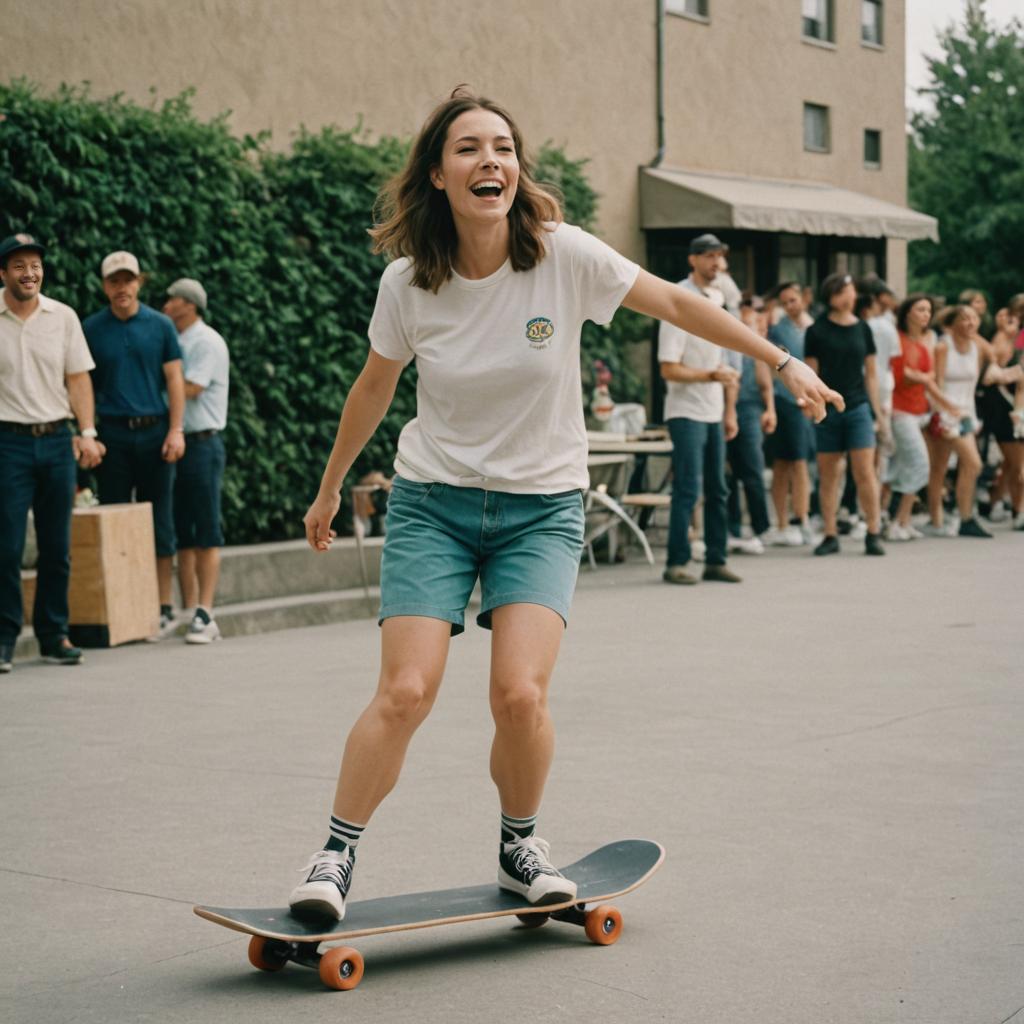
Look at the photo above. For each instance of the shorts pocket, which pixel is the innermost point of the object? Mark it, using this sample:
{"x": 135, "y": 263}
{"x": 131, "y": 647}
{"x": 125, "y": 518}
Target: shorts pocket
{"x": 410, "y": 491}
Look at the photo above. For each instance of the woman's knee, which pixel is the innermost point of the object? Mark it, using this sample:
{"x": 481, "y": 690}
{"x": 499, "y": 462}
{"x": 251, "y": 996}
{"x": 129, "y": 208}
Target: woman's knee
{"x": 405, "y": 698}
{"x": 521, "y": 704}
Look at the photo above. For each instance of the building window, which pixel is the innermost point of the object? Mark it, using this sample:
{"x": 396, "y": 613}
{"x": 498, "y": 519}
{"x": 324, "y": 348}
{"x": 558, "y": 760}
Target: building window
{"x": 871, "y": 22}
{"x": 688, "y": 8}
{"x": 872, "y": 147}
{"x": 817, "y": 136}
{"x": 818, "y": 22}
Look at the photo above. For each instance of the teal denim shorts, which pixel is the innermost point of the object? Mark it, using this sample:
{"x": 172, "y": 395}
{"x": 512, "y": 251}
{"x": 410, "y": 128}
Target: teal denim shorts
{"x": 525, "y": 549}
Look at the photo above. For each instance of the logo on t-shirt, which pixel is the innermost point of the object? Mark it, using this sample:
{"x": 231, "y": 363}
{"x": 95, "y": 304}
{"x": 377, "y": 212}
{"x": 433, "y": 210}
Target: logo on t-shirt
{"x": 539, "y": 332}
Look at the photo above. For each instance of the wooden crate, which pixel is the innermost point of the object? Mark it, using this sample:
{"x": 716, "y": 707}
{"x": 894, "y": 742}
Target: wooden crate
{"x": 113, "y": 594}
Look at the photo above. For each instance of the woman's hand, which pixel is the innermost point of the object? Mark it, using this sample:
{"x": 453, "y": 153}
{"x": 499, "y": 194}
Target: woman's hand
{"x": 809, "y": 390}
{"x": 318, "y": 521}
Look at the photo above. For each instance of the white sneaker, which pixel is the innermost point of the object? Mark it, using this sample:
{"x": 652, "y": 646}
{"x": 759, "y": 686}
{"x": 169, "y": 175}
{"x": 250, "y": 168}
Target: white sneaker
{"x": 915, "y": 533}
{"x": 524, "y": 868}
{"x": 859, "y": 530}
{"x": 946, "y": 530}
{"x": 746, "y": 545}
{"x": 998, "y": 513}
{"x": 328, "y": 878}
{"x": 807, "y": 534}
{"x": 168, "y": 625}
{"x": 202, "y": 631}
{"x": 896, "y": 532}
{"x": 697, "y": 551}
{"x": 774, "y": 538}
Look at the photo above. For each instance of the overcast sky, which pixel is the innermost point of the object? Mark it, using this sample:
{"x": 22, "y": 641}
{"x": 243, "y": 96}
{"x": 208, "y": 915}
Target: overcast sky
{"x": 925, "y": 18}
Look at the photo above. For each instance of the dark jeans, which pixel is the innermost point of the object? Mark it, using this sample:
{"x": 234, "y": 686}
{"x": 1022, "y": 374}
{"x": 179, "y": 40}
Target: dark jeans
{"x": 746, "y": 460}
{"x": 36, "y": 473}
{"x": 134, "y": 470}
{"x": 698, "y": 462}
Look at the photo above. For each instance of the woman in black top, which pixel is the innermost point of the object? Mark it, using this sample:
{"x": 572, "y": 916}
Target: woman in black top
{"x": 840, "y": 348}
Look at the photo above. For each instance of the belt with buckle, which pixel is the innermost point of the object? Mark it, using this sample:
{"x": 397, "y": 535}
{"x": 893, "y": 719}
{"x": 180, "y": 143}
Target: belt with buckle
{"x": 132, "y": 422}
{"x": 33, "y": 429}
{"x": 199, "y": 435}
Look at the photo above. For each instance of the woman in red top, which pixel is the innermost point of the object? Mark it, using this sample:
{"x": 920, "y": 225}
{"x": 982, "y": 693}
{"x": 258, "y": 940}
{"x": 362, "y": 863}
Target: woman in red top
{"x": 914, "y": 384}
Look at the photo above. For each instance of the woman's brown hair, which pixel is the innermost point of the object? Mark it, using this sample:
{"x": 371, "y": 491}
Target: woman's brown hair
{"x": 413, "y": 218}
{"x": 908, "y": 304}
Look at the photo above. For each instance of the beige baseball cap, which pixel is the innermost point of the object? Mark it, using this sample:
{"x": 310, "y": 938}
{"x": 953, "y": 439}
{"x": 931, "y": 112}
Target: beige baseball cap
{"x": 119, "y": 260}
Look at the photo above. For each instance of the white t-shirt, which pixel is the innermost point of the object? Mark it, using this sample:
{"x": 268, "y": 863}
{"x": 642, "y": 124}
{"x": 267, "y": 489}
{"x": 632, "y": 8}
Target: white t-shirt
{"x": 887, "y": 345}
{"x": 499, "y": 396}
{"x": 694, "y": 400}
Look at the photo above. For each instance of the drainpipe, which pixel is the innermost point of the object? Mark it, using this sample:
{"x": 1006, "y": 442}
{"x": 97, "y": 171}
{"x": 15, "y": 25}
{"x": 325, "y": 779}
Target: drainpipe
{"x": 660, "y": 71}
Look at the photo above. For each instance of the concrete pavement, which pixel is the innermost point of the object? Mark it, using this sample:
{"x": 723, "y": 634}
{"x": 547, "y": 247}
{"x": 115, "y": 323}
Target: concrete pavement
{"x": 831, "y": 753}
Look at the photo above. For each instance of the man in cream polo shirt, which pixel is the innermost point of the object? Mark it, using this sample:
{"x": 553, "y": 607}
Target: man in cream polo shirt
{"x": 700, "y": 410}
{"x": 44, "y": 380}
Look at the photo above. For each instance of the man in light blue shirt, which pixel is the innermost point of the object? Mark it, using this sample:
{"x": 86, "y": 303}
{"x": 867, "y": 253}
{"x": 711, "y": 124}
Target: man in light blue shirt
{"x": 197, "y": 486}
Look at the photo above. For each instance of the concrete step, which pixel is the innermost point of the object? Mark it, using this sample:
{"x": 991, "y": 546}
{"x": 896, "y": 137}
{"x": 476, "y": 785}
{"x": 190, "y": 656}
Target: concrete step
{"x": 266, "y": 587}
{"x": 248, "y": 617}
{"x": 257, "y": 572}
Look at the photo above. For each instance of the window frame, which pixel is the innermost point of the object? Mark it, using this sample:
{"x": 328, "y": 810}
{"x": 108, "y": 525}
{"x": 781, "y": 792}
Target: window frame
{"x": 876, "y": 133}
{"x": 829, "y": 38}
{"x": 701, "y": 14}
{"x": 879, "y": 7}
{"x": 828, "y": 127}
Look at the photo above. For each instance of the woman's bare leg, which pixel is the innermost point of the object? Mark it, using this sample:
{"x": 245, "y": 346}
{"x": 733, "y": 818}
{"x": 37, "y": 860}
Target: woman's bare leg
{"x": 524, "y": 648}
{"x": 938, "y": 463}
{"x": 414, "y": 650}
{"x": 862, "y": 462}
{"x": 830, "y": 469}
{"x": 968, "y": 468}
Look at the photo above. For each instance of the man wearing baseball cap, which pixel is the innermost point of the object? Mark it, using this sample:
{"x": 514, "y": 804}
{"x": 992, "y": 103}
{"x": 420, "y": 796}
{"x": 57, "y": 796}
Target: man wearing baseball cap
{"x": 138, "y": 359}
{"x": 700, "y": 411}
{"x": 197, "y": 482}
{"x": 44, "y": 380}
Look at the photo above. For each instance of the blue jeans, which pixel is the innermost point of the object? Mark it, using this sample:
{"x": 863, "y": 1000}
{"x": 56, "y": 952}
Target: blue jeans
{"x": 134, "y": 470}
{"x": 746, "y": 460}
{"x": 36, "y": 473}
{"x": 698, "y": 462}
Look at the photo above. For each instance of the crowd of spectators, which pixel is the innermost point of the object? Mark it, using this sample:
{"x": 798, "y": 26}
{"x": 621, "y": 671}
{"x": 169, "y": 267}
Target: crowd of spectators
{"x": 930, "y": 442}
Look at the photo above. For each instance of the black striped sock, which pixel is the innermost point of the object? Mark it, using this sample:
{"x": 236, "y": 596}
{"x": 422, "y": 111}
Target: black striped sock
{"x": 343, "y": 833}
{"x": 511, "y": 828}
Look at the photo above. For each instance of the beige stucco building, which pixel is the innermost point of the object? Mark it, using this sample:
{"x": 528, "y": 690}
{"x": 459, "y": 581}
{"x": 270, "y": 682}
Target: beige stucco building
{"x": 766, "y": 103}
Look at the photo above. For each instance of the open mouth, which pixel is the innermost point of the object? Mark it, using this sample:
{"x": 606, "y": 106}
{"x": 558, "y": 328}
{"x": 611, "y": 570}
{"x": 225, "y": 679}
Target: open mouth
{"x": 487, "y": 189}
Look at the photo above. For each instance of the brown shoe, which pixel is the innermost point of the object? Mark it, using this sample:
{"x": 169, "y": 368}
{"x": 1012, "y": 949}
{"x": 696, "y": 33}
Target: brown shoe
{"x": 677, "y": 574}
{"x": 719, "y": 574}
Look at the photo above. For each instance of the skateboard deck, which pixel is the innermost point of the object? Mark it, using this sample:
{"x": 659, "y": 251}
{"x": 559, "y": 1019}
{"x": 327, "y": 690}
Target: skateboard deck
{"x": 279, "y": 936}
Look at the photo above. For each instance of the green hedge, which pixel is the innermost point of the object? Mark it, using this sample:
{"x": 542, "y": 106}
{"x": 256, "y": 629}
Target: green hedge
{"x": 279, "y": 241}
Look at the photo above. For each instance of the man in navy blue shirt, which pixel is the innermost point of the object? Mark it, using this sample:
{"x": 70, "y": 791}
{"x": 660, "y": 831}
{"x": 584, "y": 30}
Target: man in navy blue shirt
{"x": 140, "y": 400}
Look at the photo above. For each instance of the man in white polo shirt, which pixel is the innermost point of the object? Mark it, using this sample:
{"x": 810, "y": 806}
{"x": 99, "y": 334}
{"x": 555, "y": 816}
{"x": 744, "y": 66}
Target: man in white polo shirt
{"x": 44, "y": 379}
{"x": 700, "y": 420}
{"x": 197, "y": 484}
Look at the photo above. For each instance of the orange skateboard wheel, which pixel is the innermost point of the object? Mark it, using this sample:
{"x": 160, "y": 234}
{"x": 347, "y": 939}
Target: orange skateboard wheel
{"x": 341, "y": 968}
{"x": 264, "y": 955}
{"x": 603, "y": 925}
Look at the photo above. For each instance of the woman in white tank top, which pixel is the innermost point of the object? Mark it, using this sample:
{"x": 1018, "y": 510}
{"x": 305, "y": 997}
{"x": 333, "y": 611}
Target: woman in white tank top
{"x": 957, "y": 367}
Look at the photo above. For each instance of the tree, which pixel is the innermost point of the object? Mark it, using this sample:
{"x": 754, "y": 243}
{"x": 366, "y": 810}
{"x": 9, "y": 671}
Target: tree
{"x": 967, "y": 160}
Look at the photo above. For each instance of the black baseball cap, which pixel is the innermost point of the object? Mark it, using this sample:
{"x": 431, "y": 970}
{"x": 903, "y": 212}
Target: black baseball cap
{"x": 707, "y": 243}
{"x": 19, "y": 241}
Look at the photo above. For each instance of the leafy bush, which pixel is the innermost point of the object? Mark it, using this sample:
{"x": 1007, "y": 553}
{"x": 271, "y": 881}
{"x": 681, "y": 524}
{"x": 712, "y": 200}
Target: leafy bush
{"x": 279, "y": 241}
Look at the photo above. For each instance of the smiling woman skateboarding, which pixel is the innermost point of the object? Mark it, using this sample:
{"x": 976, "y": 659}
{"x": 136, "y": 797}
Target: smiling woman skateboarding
{"x": 487, "y": 291}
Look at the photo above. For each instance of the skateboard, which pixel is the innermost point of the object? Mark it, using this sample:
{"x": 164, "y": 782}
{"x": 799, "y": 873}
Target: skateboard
{"x": 278, "y": 936}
